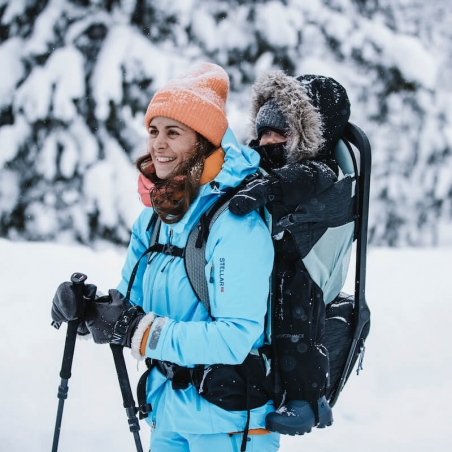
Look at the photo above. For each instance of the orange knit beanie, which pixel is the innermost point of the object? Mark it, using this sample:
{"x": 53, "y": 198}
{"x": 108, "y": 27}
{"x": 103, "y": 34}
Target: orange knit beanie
{"x": 197, "y": 99}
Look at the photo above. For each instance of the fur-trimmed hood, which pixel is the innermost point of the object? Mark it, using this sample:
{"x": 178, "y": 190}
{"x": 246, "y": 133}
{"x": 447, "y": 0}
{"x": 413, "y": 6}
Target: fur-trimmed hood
{"x": 316, "y": 108}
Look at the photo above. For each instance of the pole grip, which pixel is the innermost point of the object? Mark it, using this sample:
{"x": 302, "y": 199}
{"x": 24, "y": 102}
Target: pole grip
{"x": 78, "y": 283}
{"x": 69, "y": 346}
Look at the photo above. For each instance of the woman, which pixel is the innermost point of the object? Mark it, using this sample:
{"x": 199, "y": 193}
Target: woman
{"x": 188, "y": 171}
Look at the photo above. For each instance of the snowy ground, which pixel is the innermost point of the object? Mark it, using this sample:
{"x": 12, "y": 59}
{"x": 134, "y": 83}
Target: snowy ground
{"x": 400, "y": 402}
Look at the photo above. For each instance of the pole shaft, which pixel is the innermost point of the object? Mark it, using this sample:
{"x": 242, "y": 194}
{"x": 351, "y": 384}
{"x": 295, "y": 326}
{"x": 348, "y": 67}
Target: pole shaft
{"x": 78, "y": 281}
{"x": 126, "y": 391}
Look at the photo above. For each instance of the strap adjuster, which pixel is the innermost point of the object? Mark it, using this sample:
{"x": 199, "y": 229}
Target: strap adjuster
{"x": 169, "y": 370}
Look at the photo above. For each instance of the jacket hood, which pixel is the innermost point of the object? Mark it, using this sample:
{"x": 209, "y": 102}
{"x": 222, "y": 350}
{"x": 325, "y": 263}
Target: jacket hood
{"x": 331, "y": 100}
{"x": 239, "y": 162}
{"x": 316, "y": 108}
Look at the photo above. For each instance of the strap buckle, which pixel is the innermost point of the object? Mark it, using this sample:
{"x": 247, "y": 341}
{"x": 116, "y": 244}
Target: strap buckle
{"x": 168, "y": 249}
{"x": 169, "y": 370}
{"x": 180, "y": 377}
{"x": 286, "y": 221}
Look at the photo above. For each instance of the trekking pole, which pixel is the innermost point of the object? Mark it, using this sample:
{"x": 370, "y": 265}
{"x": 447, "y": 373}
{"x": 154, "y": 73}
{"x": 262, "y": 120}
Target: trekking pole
{"x": 78, "y": 282}
{"x": 126, "y": 391}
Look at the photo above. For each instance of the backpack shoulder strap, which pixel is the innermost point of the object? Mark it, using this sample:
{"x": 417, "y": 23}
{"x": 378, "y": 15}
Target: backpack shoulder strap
{"x": 156, "y": 222}
{"x": 195, "y": 250}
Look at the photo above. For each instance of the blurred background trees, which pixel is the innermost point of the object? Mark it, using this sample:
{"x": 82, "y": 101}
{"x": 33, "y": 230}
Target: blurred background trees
{"x": 78, "y": 75}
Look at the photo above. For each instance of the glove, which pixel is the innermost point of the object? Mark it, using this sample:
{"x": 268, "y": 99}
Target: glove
{"x": 301, "y": 182}
{"x": 112, "y": 319}
{"x": 261, "y": 191}
{"x": 66, "y": 306}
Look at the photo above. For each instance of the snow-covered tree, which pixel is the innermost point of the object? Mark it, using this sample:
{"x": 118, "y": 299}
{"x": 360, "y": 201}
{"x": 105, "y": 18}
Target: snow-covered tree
{"x": 78, "y": 75}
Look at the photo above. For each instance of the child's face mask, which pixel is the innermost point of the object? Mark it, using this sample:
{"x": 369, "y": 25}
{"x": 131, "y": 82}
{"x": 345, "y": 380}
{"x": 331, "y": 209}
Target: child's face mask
{"x": 272, "y": 156}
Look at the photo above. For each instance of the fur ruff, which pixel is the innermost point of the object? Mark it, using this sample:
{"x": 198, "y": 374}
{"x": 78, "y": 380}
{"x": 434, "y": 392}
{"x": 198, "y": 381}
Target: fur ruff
{"x": 305, "y": 137}
{"x": 137, "y": 337}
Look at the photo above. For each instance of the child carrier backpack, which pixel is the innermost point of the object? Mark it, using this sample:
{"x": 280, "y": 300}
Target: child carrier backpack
{"x": 347, "y": 316}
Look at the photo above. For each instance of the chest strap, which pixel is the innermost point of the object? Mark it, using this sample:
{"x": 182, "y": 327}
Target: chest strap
{"x": 165, "y": 248}
{"x": 168, "y": 249}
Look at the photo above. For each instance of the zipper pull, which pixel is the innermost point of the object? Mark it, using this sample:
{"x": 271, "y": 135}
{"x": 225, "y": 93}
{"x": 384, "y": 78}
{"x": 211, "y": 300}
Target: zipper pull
{"x": 211, "y": 273}
{"x": 216, "y": 188}
{"x": 168, "y": 262}
{"x": 151, "y": 257}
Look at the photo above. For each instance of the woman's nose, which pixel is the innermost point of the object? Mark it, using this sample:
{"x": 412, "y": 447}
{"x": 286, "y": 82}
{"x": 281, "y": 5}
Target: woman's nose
{"x": 159, "y": 142}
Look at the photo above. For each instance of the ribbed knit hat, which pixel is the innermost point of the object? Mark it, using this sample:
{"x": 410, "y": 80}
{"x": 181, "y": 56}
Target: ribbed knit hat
{"x": 197, "y": 99}
{"x": 270, "y": 116}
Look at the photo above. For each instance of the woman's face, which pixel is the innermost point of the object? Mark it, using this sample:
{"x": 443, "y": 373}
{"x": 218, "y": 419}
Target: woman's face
{"x": 270, "y": 136}
{"x": 170, "y": 144}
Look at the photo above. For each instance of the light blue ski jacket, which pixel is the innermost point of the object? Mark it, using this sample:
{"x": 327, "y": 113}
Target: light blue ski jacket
{"x": 239, "y": 255}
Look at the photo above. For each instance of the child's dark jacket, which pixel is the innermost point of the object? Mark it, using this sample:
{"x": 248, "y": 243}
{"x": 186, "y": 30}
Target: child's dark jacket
{"x": 317, "y": 110}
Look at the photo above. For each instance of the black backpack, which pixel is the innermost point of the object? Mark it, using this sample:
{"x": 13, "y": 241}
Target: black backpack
{"x": 347, "y": 316}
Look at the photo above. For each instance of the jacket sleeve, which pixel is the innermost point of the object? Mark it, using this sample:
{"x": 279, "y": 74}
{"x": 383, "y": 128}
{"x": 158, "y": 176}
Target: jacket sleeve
{"x": 239, "y": 262}
{"x": 302, "y": 181}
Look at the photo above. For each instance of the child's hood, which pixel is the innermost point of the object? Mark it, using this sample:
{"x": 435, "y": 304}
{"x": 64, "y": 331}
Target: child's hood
{"x": 316, "y": 107}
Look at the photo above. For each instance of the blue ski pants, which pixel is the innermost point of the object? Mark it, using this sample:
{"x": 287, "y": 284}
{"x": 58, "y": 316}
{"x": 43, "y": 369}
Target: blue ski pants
{"x": 162, "y": 441}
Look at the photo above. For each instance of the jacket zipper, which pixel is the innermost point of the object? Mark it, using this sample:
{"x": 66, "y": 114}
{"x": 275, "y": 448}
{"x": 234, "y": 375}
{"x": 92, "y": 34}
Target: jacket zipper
{"x": 154, "y": 406}
{"x": 163, "y": 270}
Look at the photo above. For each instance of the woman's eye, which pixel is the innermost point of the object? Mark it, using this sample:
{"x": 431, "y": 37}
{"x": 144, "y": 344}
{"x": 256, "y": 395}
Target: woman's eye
{"x": 153, "y": 132}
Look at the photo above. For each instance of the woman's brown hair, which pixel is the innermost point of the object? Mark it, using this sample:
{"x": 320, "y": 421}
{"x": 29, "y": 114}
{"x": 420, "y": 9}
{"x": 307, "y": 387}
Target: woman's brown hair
{"x": 172, "y": 197}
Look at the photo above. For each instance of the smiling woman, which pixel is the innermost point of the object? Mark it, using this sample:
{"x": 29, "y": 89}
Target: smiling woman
{"x": 173, "y": 167}
{"x": 196, "y": 354}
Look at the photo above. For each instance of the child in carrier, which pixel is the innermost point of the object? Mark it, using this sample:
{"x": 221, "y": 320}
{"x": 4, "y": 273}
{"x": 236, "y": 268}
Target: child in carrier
{"x": 296, "y": 124}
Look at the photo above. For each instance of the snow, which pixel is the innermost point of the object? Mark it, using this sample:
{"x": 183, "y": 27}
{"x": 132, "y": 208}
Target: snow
{"x": 127, "y": 55}
{"x": 273, "y": 17}
{"x": 87, "y": 71}
{"x": 61, "y": 78}
{"x": 204, "y": 28}
{"x": 12, "y": 10}
{"x": 43, "y": 32}
{"x": 107, "y": 78}
{"x": 111, "y": 183}
{"x": 405, "y": 52}
{"x": 12, "y": 137}
{"x": 400, "y": 401}
{"x": 8, "y": 56}
{"x": 9, "y": 191}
